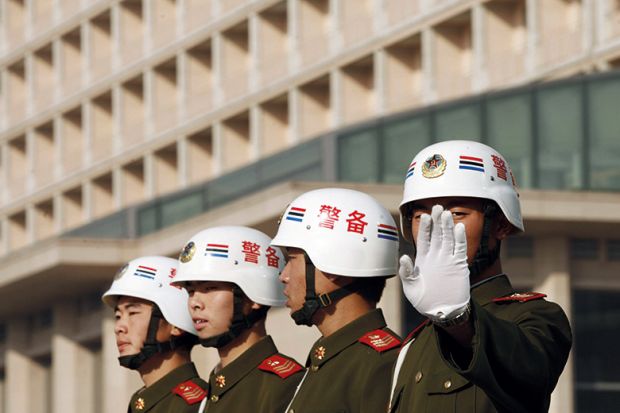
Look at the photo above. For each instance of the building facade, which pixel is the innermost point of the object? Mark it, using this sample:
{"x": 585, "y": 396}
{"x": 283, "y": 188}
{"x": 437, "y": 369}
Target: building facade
{"x": 126, "y": 125}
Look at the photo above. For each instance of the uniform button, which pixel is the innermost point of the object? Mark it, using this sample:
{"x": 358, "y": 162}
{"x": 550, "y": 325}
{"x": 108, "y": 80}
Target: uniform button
{"x": 291, "y": 411}
{"x": 214, "y": 398}
{"x": 447, "y": 384}
{"x": 314, "y": 368}
{"x": 418, "y": 376}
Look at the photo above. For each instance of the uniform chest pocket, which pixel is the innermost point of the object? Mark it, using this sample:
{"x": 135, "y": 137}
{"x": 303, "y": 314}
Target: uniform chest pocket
{"x": 446, "y": 382}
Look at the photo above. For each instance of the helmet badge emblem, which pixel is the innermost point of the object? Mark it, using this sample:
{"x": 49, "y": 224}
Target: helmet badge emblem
{"x": 188, "y": 252}
{"x": 434, "y": 166}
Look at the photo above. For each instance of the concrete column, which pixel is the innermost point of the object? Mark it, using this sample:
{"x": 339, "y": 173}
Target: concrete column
{"x": 117, "y": 187}
{"x": 254, "y": 72}
{"x": 117, "y": 118}
{"x": 379, "y": 81}
{"x": 294, "y": 57}
{"x": 256, "y": 136}
{"x": 335, "y": 98}
{"x": 57, "y": 67}
{"x": 216, "y": 61}
{"x": 335, "y": 29}
{"x": 115, "y": 31}
{"x": 479, "y": 74}
{"x": 30, "y": 88}
{"x": 30, "y": 151}
{"x": 183, "y": 172}
{"x": 4, "y": 173}
{"x": 23, "y": 373}
{"x": 181, "y": 94}
{"x": 68, "y": 376}
{"x": 149, "y": 175}
{"x": 531, "y": 53}
{"x": 87, "y": 44}
{"x": 149, "y": 103}
{"x": 293, "y": 115}
{"x": 58, "y": 147}
{"x": 427, "y": 51}
{"x": 552, "y": 277}
{"x": 87, "y": 132}
{"x": 118, "y": 383}
{"x": 218, "y": 153}
{"x": 87, "y": 200}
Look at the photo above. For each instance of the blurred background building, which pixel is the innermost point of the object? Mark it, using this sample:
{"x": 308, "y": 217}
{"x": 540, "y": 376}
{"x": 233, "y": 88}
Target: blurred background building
{"x": 126, "y": 126}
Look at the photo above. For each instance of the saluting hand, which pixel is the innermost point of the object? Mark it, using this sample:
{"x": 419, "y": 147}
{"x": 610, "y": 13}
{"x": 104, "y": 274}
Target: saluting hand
{"x": 438, "y": 285}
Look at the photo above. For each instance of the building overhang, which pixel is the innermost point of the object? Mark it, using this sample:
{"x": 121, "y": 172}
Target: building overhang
{"x": 35, "y": 276}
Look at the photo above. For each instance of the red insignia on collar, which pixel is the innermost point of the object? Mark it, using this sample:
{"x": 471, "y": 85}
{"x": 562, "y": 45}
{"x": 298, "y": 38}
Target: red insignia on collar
{"x": 520, "y": 297}
{"x": 190, "y": 392}
{"x": 415, "y": 331}
{"x": 380, "y": 340}
{"x": 282, "y": 366}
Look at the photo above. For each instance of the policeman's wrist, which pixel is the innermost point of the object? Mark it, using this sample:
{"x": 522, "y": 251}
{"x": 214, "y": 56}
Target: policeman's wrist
{"x": 457, "y": 318}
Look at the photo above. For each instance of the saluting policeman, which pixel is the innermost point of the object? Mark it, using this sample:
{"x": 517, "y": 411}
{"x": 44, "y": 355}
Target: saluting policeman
{"x": 155, "y": 335}
{"x": 484, "y": 347}
{"x": 231, "y": 274}
{"x": 341, "y": 246}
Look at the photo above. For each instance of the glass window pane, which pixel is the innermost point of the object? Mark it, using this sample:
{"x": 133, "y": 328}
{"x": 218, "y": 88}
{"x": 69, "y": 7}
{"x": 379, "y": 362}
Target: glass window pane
{"x": 560, "y": 136}
{"x": 402, "y": 139}
{"x": 509, "y": 129}
{"x": 358, "y": 156}
{"x": 604, "y": 99}
{"x": 283, "y": 166}
{"x": 178, "y": 209}
{"x": 147, "y": 220}
{"x": 233, "y": 185}
{"x": 458, "y": 122}
{"x": 595, "y": 325}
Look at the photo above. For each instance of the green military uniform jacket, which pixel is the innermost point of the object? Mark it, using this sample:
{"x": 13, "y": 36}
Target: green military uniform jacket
{"x": 259, "y": 381}
{"x": 179, "y": 391}
{"x": 349, "y": 371}
{"x": 520, "y": 346}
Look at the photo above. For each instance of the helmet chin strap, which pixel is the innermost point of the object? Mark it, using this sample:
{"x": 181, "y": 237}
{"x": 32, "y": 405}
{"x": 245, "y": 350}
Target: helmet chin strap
{"x": 151, "y": 346}
{"x": 313, "y": 302}
{"x": 484, "y": 257}
{"x": 240, "y": 322}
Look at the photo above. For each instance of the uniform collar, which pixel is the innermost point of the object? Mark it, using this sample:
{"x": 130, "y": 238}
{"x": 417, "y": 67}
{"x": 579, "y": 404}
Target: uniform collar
{"x": 327, "y": 347}
{"x": 226, "y": 378}
{"x": 147, "y": 397}
{"x": 496, "y": 286}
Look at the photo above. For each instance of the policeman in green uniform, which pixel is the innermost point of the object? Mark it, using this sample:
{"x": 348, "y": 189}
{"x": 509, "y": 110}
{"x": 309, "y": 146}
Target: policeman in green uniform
{"x": 155, "y": 335}
{"x": 231, "y": 274}
{"x": 341, "y": 246}
{"x": 484, "y": 347}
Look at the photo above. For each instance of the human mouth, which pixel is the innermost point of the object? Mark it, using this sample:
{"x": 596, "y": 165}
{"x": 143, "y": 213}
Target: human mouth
{"x": 122, "y": 346}
{"x": 199, "y": 323}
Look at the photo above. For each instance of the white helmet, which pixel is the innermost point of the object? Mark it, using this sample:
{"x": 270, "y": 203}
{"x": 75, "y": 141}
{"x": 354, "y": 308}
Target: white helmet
{"x": 149, "y": 278}
{"x": 239, "y": 255}
{"x": 343, "y": 232}
{"x": 461, "y": 169}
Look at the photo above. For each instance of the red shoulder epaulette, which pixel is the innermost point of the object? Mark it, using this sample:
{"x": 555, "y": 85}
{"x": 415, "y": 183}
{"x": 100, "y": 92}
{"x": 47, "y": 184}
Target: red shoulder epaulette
{"x": 520, "y": 297}
{"x": 380, "y": 340}
{"x": 190, "y": 392}
{"x": 282, "y": 366}
{"x": 415, "y": 331}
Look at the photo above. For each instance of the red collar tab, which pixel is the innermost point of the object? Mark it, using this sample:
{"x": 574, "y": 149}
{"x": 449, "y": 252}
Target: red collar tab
{"x": 190, "y": 392}
{"x": 415, "y": 331}
{"x": 282, "y": 366}
{"x": 520, "y": 297}
{"x": 380, "y": 340}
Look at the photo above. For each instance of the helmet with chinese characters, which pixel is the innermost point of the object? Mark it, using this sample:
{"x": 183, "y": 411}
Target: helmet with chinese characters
{"x": 343, "y": 232}
{"x": 461, "y": 168}
{"x": 149, "y": 278}
{"x": 239, "y": 255}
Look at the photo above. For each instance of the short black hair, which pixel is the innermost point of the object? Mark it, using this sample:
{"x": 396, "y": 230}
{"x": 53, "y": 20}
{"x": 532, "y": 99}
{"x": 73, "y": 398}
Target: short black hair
{"x": 371, "y": 288}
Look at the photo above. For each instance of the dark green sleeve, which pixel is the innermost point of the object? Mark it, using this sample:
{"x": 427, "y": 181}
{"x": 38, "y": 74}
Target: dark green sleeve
{"x": 518, "y": 356}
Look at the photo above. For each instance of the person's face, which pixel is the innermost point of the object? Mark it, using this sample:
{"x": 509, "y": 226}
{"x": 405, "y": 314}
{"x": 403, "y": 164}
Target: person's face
{"x": 211, "y": 306}
{"x": 132, "y": 320}
{"x": 468, "y": 211}
{"x": 294, "y": 278}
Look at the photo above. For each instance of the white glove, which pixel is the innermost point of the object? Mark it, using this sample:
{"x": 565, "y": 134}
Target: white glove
{"x": 438, "y": 285}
